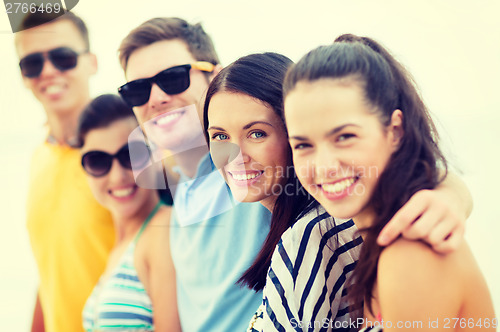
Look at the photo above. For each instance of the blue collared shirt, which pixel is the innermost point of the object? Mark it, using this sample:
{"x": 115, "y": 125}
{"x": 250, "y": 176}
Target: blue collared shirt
{"x": 213, "y": 241}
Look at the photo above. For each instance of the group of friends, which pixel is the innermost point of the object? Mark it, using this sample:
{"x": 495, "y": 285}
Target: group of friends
{"x": 262, "y": 196}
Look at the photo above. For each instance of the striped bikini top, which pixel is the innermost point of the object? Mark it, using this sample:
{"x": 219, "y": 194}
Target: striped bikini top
{"x": 120, "y": 303}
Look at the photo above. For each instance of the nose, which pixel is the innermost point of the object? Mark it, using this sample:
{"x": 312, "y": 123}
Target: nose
{"x": 227, "y": 153}
{"x": 48, "y": 69}
{"x": 243, "y": 156}
{"x": 326, "y": 164}
{"x": 158, "y": 97}
{"x": 118, "y": 174}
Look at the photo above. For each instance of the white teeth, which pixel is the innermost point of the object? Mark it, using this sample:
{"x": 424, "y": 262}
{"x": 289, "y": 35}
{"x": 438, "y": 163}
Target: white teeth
{"x": 168, "y": 118}
{"x": 244, "y": 177}
{"x": 338, "y": 186}
{"x": 122, "y": 192}
{"x": 53, "y": 89}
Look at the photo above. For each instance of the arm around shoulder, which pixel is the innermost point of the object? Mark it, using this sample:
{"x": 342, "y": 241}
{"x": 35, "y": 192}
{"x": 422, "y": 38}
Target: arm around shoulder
{"x": 455, "y": 186}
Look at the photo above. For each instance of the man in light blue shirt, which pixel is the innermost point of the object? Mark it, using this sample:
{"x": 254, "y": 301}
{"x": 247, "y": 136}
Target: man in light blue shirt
{"x": 169, "y": 64}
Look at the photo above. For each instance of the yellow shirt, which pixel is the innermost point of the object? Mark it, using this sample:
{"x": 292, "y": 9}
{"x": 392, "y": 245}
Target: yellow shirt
{"x": 70, "y": 233}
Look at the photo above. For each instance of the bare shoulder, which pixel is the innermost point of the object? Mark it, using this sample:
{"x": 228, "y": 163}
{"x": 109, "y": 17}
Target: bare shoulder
{"x": 159, "y": 224}
{"x": 412, "y": 265}
{"x": 155, "y": 237}
{"x": 409, "y": 253}
{"x": 162, "y": 216}
{"x": 415, "y": 282}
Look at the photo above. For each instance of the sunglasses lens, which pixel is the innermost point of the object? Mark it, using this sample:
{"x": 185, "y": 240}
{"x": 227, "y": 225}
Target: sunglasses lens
{"x": 136, "y": 93}
{"x": 31, "y": 65}
{"x": 174, "y": 80}
{"x": 63, "y": 58}
{"x": 139, "y": 155}
{"x": 97, "y": 163}
{"x": 123, "y": 157}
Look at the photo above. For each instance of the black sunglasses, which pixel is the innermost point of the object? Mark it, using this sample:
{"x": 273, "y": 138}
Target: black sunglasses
{"x": 63, "y": 58}
{"x": 134, "y": 155}
{"x": 172, "y": 81}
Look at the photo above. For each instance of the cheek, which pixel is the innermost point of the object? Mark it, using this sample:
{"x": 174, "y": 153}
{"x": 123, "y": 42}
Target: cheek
{"x": 195, "y": 94}
{"x": 224, "y": 153}
{"x": 303, "y": 169}
{"x": 98, "y": 190}
{"x": 140, "y": 113}
{"x": 28, "y": 83}
{"x": 276, "y": 153}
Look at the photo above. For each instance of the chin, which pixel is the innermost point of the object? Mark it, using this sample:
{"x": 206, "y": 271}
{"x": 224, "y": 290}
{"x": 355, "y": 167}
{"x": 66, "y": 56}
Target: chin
{"x": 337, "y": 210}
{"x": 244, "y": 196}
{"x": 127, "y": 211}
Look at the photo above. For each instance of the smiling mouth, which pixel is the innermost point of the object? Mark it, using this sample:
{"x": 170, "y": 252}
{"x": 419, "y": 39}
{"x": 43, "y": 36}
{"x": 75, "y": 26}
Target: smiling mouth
{"x": 245, "y": 176}
{"x": 339, "y": 186}
{"x": 123, "y": 192}
{"x": 53, "y": 89}
{"x": 168, "y": 118}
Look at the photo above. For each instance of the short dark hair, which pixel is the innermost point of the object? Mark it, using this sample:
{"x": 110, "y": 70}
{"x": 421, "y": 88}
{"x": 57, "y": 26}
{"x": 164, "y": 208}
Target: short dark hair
{"x": 32, "y": 20}
{"x": 100, "y": 113}
{"x": 157, "y": 29}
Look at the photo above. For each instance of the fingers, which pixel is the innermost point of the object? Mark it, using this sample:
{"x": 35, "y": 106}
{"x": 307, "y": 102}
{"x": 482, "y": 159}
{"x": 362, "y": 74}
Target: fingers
{"x": 425, "y": 225}
{"x": 440, "y": 227}
{"x": 404, "y": 218}
{"x": 450, "y": 242}
{"x": 426, "y": 217}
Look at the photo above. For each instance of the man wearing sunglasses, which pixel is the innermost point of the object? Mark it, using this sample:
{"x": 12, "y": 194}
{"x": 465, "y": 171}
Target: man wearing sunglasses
{"x": 70, "y": 234}
{"x": 168, "y": 64}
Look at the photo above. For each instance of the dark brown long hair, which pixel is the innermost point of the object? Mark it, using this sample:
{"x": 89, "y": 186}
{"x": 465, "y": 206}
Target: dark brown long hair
{"x": 414, "y": 166}
{"x": 261, "y": 76}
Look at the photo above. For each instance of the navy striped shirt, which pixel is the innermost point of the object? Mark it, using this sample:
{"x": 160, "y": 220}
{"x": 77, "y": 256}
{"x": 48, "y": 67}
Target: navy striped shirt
{"x": 305, "y": 286}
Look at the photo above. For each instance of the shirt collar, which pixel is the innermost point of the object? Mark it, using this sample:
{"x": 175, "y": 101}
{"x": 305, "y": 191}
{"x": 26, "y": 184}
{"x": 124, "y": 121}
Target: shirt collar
{"x": 205, "y": 167}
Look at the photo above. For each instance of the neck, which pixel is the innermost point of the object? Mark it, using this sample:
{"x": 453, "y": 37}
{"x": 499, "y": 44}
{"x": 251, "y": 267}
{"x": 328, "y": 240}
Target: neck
{"x": 269, "y": 202}
{"x": 62, "y": 127}
{"x": 189, "y": 159}
{"x": 364, "y": 219}
{"x": 126, "y": 226}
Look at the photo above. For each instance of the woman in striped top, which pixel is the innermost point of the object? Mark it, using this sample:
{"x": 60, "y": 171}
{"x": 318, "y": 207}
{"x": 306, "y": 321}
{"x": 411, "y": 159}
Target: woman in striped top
{"x": 365, "y": 143}
{"x": 308, "y": 255}
{"x": 137, "y": 290}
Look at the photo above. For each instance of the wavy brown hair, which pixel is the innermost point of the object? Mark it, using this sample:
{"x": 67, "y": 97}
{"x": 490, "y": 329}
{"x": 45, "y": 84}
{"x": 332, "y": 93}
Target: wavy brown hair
{"x": 416, "y": 164}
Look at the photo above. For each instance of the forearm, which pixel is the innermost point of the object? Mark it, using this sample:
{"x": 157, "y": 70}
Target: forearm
{"x": 456, "y": 189}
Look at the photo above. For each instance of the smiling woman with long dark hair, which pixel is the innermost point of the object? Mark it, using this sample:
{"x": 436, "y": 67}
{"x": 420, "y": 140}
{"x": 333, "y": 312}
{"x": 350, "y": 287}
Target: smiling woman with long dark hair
{"x": 353, "y": 112}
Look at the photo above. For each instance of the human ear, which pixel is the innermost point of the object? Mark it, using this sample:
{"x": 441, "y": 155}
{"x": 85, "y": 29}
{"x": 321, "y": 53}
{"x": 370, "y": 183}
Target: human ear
{"x": 396, "y": 130}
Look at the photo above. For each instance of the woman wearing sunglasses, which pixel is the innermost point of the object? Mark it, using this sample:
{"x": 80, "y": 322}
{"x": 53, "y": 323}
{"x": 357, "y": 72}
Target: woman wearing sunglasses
{"x": 365, "y": 143}
{"x": 139, "y": 276}
{"x": 304, "y": 262}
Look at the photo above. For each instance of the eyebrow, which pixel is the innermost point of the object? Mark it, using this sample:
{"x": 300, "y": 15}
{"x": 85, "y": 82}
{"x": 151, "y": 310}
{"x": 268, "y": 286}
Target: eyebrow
{"x": 215, "y": 128}
{"x": 328, "y": 134}
{"x": 251, "y": 124}
{"x": 256, "y": 122}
